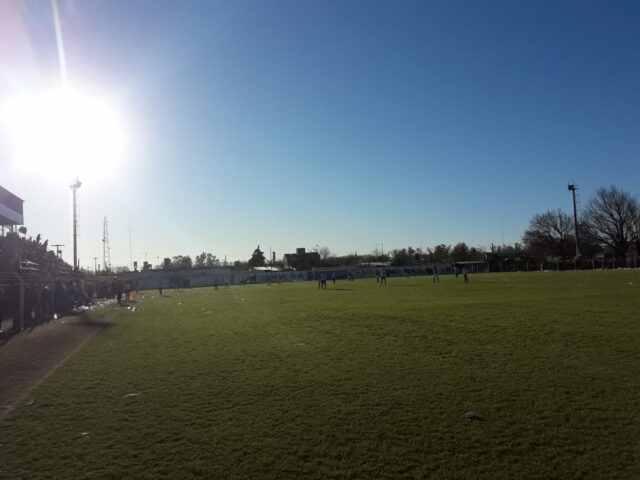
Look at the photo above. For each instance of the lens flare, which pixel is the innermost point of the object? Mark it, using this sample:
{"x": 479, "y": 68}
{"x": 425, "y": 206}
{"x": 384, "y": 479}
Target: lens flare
{"x": 64, "y": 133}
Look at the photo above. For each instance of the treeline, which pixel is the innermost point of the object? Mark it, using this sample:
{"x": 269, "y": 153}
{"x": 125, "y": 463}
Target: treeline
{"x": 19, "y": 253}
{"x": 609, "y": 227}
{"x": 608, "y": 234}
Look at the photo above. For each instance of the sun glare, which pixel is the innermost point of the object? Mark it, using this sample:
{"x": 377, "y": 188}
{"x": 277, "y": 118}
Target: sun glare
{"x": 64, "y": 133}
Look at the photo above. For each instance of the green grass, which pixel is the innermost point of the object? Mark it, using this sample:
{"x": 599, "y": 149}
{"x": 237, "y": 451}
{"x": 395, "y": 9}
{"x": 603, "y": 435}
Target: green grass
{"x": 360, "y": 381}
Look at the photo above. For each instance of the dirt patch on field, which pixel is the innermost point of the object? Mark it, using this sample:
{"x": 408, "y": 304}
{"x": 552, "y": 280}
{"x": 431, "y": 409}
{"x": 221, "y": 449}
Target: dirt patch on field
{"x": 29, "y": 357}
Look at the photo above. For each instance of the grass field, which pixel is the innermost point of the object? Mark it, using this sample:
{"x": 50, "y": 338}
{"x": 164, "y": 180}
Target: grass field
{"x": 359, "y": 381}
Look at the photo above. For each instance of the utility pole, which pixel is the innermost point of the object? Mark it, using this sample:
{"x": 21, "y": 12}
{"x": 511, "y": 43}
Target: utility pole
{"x": 572, "y": 187}
{"x": 74, "y": 189}
{"x": 58, "y": 250}
{"x": 95, "y": 264}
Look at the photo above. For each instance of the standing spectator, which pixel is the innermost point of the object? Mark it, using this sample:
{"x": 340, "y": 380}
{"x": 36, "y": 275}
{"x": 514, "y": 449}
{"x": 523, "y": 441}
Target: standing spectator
{"x": 118, "y": 289}
{"x": 46, "y": 303}
{"x": 3, "y": 306}
{"x": 436, "y": 277}
{"x": 383, "y": 276}
{"x": 465, "y": 274}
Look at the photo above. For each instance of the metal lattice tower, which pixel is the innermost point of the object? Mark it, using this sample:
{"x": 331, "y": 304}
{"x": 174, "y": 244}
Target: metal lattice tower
{"x": 106, "y": 250}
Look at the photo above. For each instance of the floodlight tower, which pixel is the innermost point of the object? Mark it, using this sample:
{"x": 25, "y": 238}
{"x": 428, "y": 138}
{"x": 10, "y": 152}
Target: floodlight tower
{"x": 74, "y": 189}
{"x": 572, "y": 187}
{"x": 106, "y": 250}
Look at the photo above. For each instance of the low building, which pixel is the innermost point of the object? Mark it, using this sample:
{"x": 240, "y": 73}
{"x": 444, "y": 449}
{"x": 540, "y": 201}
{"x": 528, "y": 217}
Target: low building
{"x": 301, "y": 260}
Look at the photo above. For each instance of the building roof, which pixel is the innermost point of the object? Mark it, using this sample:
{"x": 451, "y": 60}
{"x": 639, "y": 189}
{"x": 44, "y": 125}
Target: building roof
{"x": 11, "y": 212}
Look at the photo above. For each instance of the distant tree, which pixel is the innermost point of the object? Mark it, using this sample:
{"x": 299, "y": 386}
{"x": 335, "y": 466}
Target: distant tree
{"x": 612, "y": 216}
{"x": 181, "y": 262}
{"x": 239, "y": 266}
{"x": 400, "y": 257}
{"x": 212, "y": 261}
{"x": 257, "y": 258}
{"x": 206, "y": 260}
{"x": 550, "y": 234}
{"x": 201, "y": 260}
{"x": 460, "y": 252}
{"x": 325, "y": 253}
{"x": 476, "y": 254}
{"x": 439, "y": 253}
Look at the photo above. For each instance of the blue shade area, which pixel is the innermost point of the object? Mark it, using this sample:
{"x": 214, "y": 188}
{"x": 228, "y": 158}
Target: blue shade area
{"x": 343, "y": 123}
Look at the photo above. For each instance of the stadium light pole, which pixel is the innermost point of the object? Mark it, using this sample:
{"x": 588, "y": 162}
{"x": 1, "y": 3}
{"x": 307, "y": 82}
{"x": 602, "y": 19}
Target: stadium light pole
{"x": 572, "y": 187}
{"x": 74, "y": 189}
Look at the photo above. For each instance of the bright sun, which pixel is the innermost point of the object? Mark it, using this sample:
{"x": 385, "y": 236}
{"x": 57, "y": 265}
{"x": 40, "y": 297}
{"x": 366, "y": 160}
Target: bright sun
{"x": 64, "y": 133}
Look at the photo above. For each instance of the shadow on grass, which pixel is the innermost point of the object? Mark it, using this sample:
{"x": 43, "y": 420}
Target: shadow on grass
{"x": 83, "y": 320}
{"x": 5, "y": 336}
{"x": 410, "y": 285}
{"x": 92, "y": 323}
{"x": 341, "y": 289}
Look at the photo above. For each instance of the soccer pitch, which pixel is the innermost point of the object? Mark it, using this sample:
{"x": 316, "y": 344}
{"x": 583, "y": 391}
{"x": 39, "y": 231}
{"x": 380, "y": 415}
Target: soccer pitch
{"x": 358, "y": 381}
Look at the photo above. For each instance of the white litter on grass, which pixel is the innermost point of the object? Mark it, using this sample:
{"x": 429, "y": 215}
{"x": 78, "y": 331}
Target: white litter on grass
{"x": 84, "y": 434}
{"x": 179, "y": 303}
{"x": 134, "y": 394}
{"x": 208, "y": 311}
{"x": 30, "y": 402}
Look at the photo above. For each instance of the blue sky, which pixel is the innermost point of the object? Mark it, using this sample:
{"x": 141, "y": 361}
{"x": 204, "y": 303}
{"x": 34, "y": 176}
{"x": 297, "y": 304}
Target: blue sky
{"x": 338, "y": 123}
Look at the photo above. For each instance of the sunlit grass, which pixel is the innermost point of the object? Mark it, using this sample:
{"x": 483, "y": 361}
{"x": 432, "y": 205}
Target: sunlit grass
{"x": 359, "y": 381}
